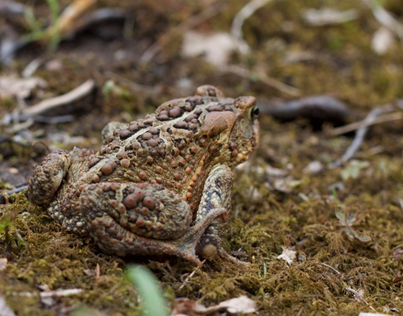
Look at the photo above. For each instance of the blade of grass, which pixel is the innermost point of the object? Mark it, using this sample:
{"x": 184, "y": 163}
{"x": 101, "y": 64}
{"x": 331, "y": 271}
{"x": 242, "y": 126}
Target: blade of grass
{"x": 55, "y": 31}
{"x": 152, "y": 299}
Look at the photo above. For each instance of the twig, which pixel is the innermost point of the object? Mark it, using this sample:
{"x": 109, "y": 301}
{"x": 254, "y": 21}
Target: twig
{"x": 4, "y": 196}
{"x": 358, "y": 296}
{"x": 385, "y": 18}
{"x": 67, "y": 20}
{"x": 190, "y": 275}
{"x": 30, "y": 114}
{"x": 66, "y": 292}
{"x": 62, "y": 292}
{"x": 133, "y": 85}
{"x": 32, "y": 66}
{"x": 356, "y": 125}
{"x": 19, "y": 127}
{"x": 330, "y": 267}
{"x": 97, "y": 271}
{"x": 361, "y": 132}
{"x": 46, "y": 105}
{"x": 237, "y": 23}
{"x": 18, "y": 189}
{"x": 206, "y": 14}
{"x": 245, "y": 73}
{"x": 54, "y": 119}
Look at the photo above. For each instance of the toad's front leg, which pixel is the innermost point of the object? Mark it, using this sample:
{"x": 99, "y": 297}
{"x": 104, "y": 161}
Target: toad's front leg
{"x": 47, "y": 177}
{"x": 217, "y": 194}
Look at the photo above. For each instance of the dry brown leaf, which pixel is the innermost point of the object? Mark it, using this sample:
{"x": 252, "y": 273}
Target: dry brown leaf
{"x": 215, "y": 47}
{"x": 5, "y": 310}
{"x": 3, "y": 264}
{"x": 11, "y": 86}
{"x": 241, "y": 304}
{"x": 288, "y": 255}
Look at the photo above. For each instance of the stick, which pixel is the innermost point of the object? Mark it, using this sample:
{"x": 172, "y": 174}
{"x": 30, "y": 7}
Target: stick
{"x": 356, "y": 125}
{"x": 46, "y": 105}
{"x": 237, "y": 23}
{"x": 245, "y": 73}
{"x": 385, "y": 18}
{"x": 206, "y": 14}
{"x": 360, "y": 134}
{"x": 358, "y": 296}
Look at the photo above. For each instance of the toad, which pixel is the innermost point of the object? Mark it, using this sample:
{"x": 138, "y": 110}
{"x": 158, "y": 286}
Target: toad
{"x": 161, "y": 185}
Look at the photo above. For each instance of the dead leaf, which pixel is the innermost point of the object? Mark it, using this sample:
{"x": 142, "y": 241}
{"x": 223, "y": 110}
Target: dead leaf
{"x": 287, "y": 184}
{"x": 242, "y": 304}
{"x": 3, "y": 264}
{"x": 185, "y": 306}
{"x": 314, "y": 167}
{"x": 288, "y": 255}
{"x": 11, "y": 86}
{"x": 397, "y": 254}
{"x": 382, "y": 40}
{"x": 5, "y": 310}
{"x": 329, "y": 16}
{"x": 398, "y": 277}
{"x": 215, "y": 47}
{"x": 353, "y": 169}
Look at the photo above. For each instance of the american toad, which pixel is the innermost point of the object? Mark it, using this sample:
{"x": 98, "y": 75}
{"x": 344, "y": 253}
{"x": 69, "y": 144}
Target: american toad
{"x": 161, "y": 185}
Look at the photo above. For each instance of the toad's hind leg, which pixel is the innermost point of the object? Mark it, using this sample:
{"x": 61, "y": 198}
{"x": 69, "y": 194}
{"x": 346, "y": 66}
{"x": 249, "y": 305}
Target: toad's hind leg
{"x": 217, "y": 194}
{"x": 47, "y": 177}
{"x": 142, "y": 219}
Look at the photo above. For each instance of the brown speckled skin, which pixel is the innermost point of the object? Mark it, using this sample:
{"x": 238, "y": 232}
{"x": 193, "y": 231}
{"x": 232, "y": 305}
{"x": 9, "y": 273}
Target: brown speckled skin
{"x": 160, "y": 185}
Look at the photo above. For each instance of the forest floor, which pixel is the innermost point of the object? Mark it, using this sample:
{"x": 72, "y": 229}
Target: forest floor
{"x": 338, "y": 221}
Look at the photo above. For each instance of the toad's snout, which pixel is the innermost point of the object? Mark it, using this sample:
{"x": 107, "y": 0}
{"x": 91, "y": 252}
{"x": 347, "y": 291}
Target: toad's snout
{"x": 244, "y": 102}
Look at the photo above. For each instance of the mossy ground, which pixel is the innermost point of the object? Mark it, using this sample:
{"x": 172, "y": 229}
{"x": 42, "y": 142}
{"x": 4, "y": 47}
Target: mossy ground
{"x": 264, "y": 220}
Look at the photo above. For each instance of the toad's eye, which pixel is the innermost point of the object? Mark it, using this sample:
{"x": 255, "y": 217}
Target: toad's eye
{"x": 254, "y": 113}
